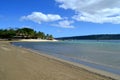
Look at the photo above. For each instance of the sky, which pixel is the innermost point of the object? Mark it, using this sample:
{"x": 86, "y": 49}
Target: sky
{"x": 62, "y": 18}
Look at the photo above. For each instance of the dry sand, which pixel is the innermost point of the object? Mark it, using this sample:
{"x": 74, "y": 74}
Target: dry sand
{"x": 22, "y": 64}
{"x": 37, "y": 40}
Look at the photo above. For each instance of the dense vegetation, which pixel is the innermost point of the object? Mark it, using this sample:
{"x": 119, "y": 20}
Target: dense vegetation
{"x": 93, "y": 37}
{"x": 23, "y": 33}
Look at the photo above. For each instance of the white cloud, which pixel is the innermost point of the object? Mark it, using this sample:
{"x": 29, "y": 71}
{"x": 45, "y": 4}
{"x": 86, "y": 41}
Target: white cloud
{"x": 39, "y": 17}
{"x": 64, "y": 24}
{"x": 96, "y": 11}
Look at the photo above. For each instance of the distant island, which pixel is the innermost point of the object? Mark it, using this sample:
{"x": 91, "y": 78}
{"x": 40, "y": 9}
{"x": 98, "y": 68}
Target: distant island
{"x": 93, "y": 37}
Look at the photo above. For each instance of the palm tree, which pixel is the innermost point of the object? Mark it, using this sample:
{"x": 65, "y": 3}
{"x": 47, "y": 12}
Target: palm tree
{"x": 25, "y": 33}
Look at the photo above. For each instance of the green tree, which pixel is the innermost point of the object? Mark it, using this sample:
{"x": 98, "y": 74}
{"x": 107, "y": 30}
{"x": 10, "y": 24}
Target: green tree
{"x": 23, "y": 33}
{"x": 41, "y": 35}
{"x": 49, "y": 37}
{"x": 26, "y": 32}
{"x": 10, "y": 33}
{"x": 7, "y": 33}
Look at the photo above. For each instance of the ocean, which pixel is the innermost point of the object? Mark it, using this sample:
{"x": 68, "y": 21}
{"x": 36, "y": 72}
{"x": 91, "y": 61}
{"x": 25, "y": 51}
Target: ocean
{"x": 102, "y": 54}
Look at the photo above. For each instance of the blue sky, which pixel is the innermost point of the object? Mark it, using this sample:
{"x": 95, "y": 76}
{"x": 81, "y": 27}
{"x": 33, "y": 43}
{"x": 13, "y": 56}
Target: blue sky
{"x": 62, "y": 17}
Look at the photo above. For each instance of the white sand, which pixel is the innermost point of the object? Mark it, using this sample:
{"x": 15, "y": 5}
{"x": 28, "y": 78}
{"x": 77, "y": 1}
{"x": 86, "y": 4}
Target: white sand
{"x": 37, "y": 40}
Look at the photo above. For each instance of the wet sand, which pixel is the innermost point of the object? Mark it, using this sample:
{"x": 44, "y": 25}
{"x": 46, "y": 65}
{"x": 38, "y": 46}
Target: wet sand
{"x": 23, "y": 64}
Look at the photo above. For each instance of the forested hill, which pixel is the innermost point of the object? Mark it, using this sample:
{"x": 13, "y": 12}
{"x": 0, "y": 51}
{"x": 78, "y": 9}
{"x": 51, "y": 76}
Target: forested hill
{"x": 93, "y": 37}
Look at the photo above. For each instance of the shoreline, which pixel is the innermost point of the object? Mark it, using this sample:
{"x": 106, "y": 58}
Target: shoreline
{"x": 87, "y": 68}
{"x": 68, "y": 64}
{"x": 37, "y": 40}
{"x": 28, "y": 40}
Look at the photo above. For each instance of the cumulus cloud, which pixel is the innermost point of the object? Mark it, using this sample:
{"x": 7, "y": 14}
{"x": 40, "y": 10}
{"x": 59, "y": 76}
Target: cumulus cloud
{"x": 96, "y": 11}
{"x": 65, "y": 24}
{"x": 39, "y": 17}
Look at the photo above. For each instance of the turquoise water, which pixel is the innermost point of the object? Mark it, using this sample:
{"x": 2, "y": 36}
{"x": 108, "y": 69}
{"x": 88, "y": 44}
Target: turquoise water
{"x": 103, "y": 55}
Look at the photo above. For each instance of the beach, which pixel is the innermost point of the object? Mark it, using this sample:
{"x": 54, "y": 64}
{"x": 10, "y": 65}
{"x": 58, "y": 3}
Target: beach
{"x": 37, "y": 40}
{"x": 18, "y": 63}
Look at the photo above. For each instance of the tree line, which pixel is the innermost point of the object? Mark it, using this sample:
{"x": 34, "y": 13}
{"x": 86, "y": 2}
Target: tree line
{"x": 93, "y": 37}
{"x": 23, "y": 33}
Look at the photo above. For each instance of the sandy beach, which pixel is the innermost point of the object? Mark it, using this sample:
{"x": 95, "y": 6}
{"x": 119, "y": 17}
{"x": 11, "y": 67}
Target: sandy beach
{"x": 22, "y": 64}
{"x": 37, "y": 40}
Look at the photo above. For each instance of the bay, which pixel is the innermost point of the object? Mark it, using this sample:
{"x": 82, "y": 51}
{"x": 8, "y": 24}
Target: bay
{"x": 103, "y": 54}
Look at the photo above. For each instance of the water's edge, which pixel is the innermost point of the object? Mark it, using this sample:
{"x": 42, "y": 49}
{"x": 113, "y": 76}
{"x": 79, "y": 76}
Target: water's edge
{"x": 94, "y": 68}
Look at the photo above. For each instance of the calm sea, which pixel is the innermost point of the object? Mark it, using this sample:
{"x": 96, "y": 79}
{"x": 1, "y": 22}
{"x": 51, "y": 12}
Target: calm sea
{"x": 104, "y": 55}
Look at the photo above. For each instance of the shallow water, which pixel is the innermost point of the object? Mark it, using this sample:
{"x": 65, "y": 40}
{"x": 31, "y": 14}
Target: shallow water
{"x": 103, "y": 55}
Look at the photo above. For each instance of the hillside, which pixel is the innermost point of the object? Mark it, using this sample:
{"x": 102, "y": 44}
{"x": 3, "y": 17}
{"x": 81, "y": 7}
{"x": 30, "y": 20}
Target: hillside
{"x": 93, "y": 37}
